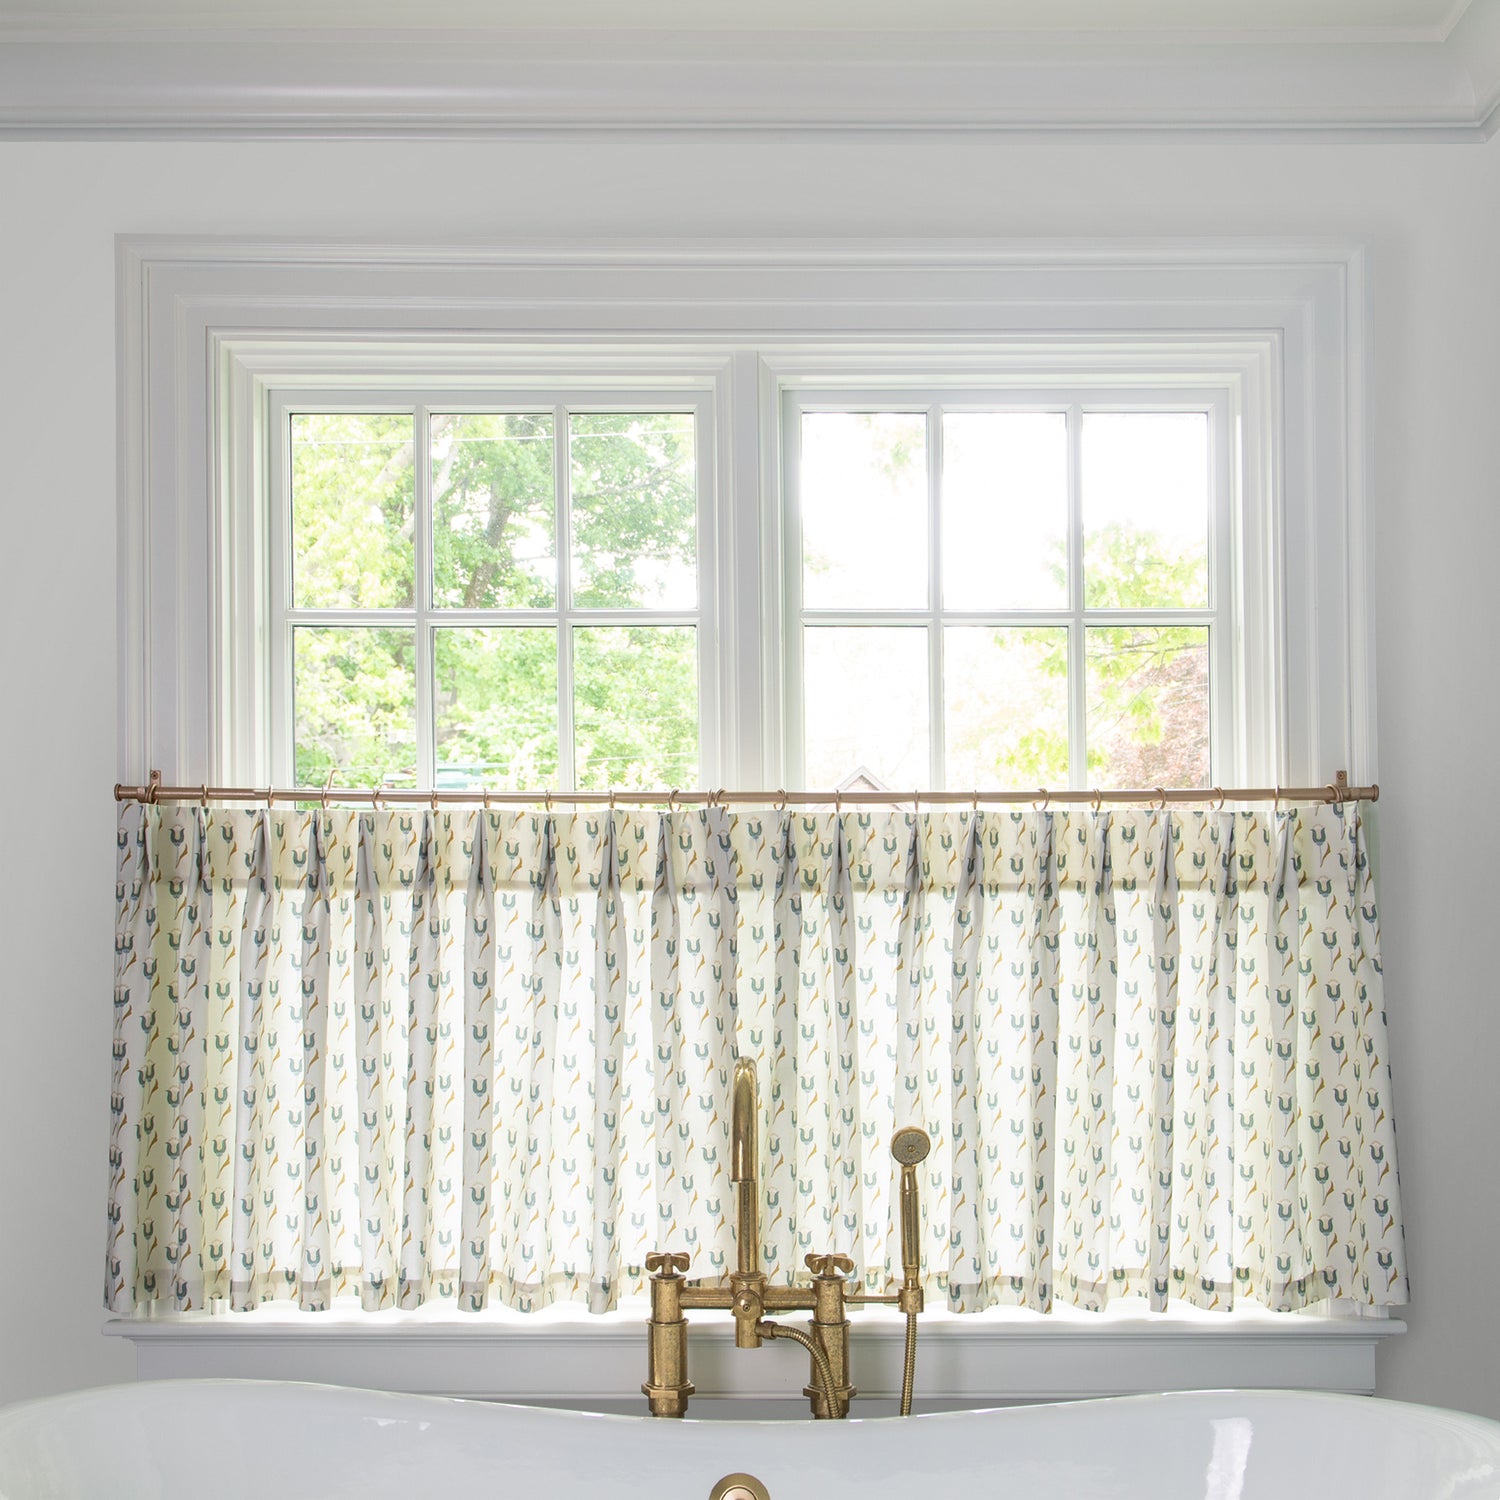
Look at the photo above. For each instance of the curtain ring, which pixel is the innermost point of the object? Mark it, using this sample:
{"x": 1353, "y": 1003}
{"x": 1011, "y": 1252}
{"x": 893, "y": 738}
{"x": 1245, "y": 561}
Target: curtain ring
{"x": 486, "y": 799}
{"x": 434, "y": 802}
{"x": 203, "y": 800}
{"x": 270, "y": 798}
{"x": 974, "y": 805}
{"x": 672, "y": 800}
{"x": 916, "y": 802}
{"x": 1335, "y": 795}
{"x": 781, "y": 800}
{"x": 838, "y": 802}
{"x": 1161, "y": 799}
{"x": 153, "y": 788}
{"x": 611, "y": 799}
{"x": 1042, "y": 802}
{"x": 375, "y": 799}
{"x": 326, "y": 786}
{"x": 547, "y": 800}
{"x": 1219, "y": 805}
{"x": 1276, "y": 799}
{"x": 1097, "y": 801}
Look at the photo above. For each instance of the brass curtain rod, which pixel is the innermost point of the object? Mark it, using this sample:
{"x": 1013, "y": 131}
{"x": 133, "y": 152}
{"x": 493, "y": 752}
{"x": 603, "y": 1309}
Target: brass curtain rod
{"x": 1336, "y": 791}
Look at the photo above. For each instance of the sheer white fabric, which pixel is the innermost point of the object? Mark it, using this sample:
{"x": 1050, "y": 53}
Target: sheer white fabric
{"x": 485, "y": 1056}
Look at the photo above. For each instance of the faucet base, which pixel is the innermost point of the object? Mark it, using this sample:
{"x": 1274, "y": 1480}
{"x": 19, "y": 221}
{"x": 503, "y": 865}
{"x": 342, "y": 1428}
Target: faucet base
{"x": 668, "y": 1400}
{"x": 844, "y": 1394}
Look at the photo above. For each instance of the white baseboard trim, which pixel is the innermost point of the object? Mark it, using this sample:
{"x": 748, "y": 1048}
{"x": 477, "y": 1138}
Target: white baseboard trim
{"x": 600, "y": 1363}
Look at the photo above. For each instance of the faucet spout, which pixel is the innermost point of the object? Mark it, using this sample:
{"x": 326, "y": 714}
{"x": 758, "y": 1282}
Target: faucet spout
{"x": 744, "y": 1165}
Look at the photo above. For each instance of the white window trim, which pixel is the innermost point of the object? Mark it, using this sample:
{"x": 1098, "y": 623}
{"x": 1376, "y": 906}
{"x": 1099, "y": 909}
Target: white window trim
{"x": 203, "y": 322}
{"x": 203, "y": 335}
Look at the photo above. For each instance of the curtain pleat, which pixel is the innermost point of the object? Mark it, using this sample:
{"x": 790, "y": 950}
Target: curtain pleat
{"x": 485, "y": 1057}
{"x": 475, "y": 1218}
{"x": 603, "y": 1145}
{"x": 316, "y": 994}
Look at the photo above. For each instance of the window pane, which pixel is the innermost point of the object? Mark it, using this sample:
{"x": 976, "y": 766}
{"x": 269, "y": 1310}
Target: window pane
{"x": 1005, "y": 511}
{"x": 1006, "y": 706}
{"x": 635, "y": 706}
{"x": 1148, "y": 705}
{"x": 865, "y": 705}
{"x": 634, "y": 504}
{"x": 355, "y": 706}
{"x": 493, "y": 512}
{"x": 1145, "y": 510}
{"x": 864, "y": 510}
{"x": 495, "y": 708}
{"x": 352, "y": 510}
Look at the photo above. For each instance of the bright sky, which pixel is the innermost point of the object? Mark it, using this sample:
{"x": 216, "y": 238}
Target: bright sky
{"x": 1150, "y": 469}
{"x": 1005, "y": 521}
{"x": 1005, "y": 502}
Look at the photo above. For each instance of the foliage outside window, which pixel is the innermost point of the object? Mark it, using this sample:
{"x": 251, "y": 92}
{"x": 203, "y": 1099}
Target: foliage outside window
{"x": 439, "y": 631}
{"x": 1033, "y": 592}
{"x": 979, "y": 593}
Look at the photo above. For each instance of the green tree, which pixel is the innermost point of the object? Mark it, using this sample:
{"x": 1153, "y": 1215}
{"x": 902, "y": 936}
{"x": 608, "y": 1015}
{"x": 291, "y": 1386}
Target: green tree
{"x": 1147, "y": 684}
{"x": 632, "y": 544}
{"x": 1006, "y": 688}
{"x": 494, "y": 546}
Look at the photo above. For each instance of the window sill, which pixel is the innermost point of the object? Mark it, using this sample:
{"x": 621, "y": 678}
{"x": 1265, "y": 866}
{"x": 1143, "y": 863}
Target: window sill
{"x": 565, "y": 1357}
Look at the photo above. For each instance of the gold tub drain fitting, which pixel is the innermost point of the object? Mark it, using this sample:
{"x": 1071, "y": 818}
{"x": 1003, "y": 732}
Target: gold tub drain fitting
{"x": 739, "y": 1487}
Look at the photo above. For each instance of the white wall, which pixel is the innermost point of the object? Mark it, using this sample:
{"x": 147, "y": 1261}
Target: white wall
{"x": 1432, "y": 218}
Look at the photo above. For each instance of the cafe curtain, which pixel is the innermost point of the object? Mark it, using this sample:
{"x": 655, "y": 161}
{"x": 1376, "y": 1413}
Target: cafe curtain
{"x": 485, "y": 1057}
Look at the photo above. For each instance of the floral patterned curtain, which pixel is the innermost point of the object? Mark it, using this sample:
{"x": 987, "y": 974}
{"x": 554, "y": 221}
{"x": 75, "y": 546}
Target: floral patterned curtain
{"x": 485, "y": 1056}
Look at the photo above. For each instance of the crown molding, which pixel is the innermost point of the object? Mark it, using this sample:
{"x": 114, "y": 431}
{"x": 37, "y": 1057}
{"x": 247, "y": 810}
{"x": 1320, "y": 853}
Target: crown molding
{"x": 311, "y": 84}
{"x": 1476, "y": 37}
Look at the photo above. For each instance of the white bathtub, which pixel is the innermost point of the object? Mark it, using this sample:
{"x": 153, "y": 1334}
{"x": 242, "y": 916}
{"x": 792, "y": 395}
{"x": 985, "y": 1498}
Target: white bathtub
{"x": 234, "y": 1440}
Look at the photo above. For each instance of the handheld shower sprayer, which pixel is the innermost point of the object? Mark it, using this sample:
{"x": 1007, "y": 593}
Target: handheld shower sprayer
{"x": 910, "y": 1146}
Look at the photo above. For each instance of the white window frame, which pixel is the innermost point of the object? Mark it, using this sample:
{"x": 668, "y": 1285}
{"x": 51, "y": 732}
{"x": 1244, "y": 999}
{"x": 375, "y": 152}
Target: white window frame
{"x": 208, "y": 328}
{"x": 268, "y": 755}
{"x": 1242, "y": 746}
{"x": 1234, "y": 746}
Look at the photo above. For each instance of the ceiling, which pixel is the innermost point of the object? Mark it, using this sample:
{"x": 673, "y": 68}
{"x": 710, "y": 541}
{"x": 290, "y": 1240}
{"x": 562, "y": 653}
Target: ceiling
{"x": 1258, "y": 20}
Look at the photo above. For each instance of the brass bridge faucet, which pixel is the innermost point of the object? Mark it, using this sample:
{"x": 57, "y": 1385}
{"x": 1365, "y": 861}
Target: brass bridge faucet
{"x": 750, "y": 1297}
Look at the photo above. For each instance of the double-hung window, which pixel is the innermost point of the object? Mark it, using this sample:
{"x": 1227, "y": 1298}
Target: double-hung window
{"x": 663, "y": 516}
{"x": 982, "y": 588}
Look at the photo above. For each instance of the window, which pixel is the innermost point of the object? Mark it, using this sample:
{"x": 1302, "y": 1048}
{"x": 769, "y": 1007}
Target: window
{"x": 1040, "y": 589}
{"x": 471, "y": 596}
{"x": 467, "y": 593}
{"x": 1262, "y": 343}
{"x": 1257, "y": 346}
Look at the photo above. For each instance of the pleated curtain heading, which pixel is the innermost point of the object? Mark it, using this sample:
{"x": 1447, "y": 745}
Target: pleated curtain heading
{"x": 485, "y": 1056}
